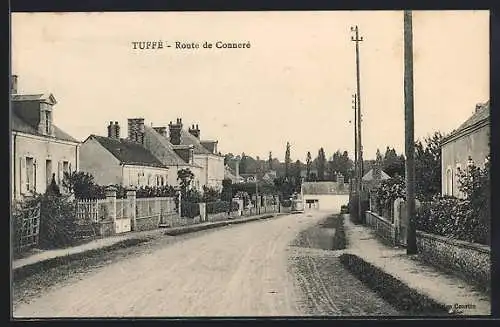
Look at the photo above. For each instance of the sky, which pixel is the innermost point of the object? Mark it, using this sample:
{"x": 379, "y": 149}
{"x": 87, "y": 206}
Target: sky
{"x": 294, "y": 83}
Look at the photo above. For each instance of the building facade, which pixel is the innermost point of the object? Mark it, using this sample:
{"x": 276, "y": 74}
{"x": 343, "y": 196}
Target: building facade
{"x": 40, "y": 151}
{"x": 113, "y": 160}
{"x": 468, "y": 143}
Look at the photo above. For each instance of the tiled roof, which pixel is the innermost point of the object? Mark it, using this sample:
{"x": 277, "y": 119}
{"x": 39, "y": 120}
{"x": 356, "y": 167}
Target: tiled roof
{"x": 369, "y": 175}
{"x": 482, "y": 113}
{"x": 129, "y": 152}
{"x": 188, "y": 139}
{"x": 20, "y": 125}
{"x": 171, "y": 159}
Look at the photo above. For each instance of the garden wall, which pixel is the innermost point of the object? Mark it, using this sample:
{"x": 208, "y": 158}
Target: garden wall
{"x": 382, "y": 227}
{"x": 471, "y": 261}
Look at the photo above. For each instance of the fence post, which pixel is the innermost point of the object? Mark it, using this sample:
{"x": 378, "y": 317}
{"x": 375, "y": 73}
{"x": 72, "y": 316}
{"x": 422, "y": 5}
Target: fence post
{"x": 131, "y": 207}
{"x": 111, "y": 204}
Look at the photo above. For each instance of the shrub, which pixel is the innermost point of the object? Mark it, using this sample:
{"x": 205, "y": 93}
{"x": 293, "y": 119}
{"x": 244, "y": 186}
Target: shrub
{"x": 451, "y": 217}
{"x": 190, "y": 209}
{"x": 221, "y": 206}
{"x": 57, "y": 221}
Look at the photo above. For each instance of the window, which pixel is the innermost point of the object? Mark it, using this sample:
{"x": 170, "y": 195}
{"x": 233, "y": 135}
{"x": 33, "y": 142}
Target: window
{"x": 47, "y": 122}
{"x": 449, "y": 182}
{"x": 48, "y": 171}
{"x": 30, "y": 174}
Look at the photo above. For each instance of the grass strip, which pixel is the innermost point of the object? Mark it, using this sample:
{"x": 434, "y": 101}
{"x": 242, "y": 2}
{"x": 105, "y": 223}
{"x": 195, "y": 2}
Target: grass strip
{"x": 391, "y": 289}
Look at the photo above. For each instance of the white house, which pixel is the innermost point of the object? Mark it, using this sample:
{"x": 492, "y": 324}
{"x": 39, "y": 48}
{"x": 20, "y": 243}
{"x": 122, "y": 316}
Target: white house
{"x": 39, "y": 149}
{"x": 113, "y": 160}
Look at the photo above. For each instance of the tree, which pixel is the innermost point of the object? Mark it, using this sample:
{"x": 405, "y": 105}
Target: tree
{"x": 297, "y": 168}
{"x": 243, "y": 164}
{"x": 227, "y": 190}
{"x": 378, "y": 156}
{"x": 321, "y": 164}
{"x": 270, "y": 161}
{"x": 428, "y": 166}
{"x": 185, "y": 177}
{"x": 393, "y": 164}
{"x": 82, "y": 185}
{"x": 287, "y": 160}
{"x": 308, "y": 165}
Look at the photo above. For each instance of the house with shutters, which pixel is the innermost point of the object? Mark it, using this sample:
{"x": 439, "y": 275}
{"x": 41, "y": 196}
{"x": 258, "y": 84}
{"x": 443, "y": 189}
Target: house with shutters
{"x": 40, "y": 150}
{"x": 124, "y": 161}
{"x": 469, "y": 143}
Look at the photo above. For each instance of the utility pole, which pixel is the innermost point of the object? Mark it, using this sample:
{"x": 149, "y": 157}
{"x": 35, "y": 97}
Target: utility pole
{"x": 354, "y": 106}
{"x": 411, "y": 247}
{"x": 356, "y": 39}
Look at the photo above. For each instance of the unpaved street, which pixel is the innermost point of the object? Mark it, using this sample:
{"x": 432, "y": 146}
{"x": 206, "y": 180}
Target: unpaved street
{"x": 243, "y": 270}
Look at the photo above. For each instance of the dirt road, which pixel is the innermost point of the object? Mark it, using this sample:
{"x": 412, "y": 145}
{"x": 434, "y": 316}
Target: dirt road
{"x": 242, "y": 270}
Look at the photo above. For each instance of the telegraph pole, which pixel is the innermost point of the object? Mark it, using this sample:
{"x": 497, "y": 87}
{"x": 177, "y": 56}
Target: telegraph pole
{"x": 411, "y": 247}
{"x": 354, "y": 106}
{"x": 356, "y": 39}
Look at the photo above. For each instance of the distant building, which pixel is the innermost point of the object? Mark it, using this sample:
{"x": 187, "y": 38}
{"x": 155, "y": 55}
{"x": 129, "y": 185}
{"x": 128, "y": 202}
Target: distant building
{"x": 39, "y": 149}
{"x": 374, "y": 177}
{"x": 468, "y": 143}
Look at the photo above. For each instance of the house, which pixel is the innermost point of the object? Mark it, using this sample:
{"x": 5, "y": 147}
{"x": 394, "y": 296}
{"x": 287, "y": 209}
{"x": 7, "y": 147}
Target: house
{"x": 205, "y": 153}
{"x": 114, "y": 160}
{"x": 374, "y": 177}
{"x": 39, "y": 149}
{"x": 234, "y": 176}
{"x": 175, "y": 157}
{"x": 270, "y": 176}
{"x": 468, "y": 143}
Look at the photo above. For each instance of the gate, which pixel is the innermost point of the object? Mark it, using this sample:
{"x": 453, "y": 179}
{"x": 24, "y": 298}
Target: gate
{"x": 122, "y": 217}
{"x": 27, "y": 226}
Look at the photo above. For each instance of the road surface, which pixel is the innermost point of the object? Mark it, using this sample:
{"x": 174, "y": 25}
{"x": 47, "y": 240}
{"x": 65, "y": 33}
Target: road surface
{"x": 241, "y": 270}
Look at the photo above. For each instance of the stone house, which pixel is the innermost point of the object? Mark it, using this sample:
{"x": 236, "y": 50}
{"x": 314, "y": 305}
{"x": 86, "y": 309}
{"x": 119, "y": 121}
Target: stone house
{"x": 114, "y": 160}
{"x": 468, "y": 143}
{"x": 39, "y": 149}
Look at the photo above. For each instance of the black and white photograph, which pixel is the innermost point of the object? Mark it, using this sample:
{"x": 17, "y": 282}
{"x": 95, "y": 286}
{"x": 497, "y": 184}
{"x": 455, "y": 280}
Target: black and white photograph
{"x": 250, "y": 164}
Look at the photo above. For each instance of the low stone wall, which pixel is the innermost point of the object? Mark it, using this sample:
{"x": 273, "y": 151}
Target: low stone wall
{"x": 146, "y": 223}
{"x": 471, "y": 261}
{"x": 382, "y": 227}
{"x": 106, "y": 228}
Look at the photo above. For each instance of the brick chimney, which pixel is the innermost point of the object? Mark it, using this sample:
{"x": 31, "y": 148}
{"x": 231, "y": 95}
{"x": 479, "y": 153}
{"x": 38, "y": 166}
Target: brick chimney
{"x": 117, "y": 130}
{"x": 175, "y": 132}
{"x": 237, "y": 169}
{"x": 13, "y": 85}
{"x": 111, "y": 129}
{"x": 162, "y": 130}
{"x": 136, "y": 130}
{"x": 195, "y": 131}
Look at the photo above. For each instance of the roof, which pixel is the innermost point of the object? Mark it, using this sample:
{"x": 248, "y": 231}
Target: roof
{"x": 44, "y": 97}
{"x": 481, "y": 114}
{"x": 128, "y": 152}
{"x": 172, "y": 158}
{"x": 189, "y": 139}
{"x": 20, "y": 125}
{"x": 369, "y": 175}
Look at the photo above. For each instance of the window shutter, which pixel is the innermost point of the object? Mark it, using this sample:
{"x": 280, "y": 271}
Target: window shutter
{"x": 22, "y": 175}
{"x": 69, "y": 168}
{"x": 59, "y": 172}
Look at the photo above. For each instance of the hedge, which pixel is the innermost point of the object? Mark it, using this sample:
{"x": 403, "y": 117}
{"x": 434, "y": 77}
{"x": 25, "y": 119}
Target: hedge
{"x": 454, "y": 218}
{"x": 221, "y": 206}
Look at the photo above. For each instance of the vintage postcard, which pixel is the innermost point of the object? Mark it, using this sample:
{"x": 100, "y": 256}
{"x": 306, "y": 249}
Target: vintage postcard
{"x": 250, "y": 164}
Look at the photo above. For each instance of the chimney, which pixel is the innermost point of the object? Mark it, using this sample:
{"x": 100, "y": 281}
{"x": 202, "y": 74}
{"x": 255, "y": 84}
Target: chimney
{"x": 117, "y": 130}
{"x": 162, "y": 130}
{"x": 195, "y": 131}
{"x": 13, "y": 86}
{"x": 111, "y": 130}
{"x": 175, "y": 132}
{"x": 136, "y": 130}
